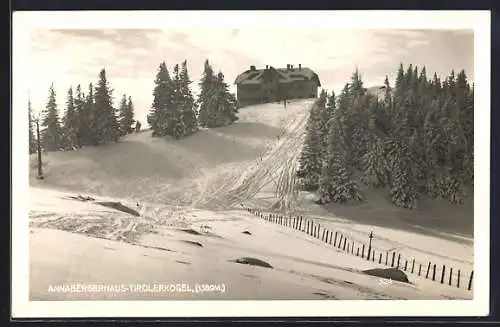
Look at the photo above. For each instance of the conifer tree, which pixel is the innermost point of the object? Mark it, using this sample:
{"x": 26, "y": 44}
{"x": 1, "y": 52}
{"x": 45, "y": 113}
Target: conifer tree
{"x": 70, "y": 123}
{"x": 175, "y": 123}
{"x": 190, "y": 120}
{"x": 310, "y": 160}
{"x": 335, "y": 180}
{"x": 205, "y": 101}
{"x": 108, "y": 127}
{"x": 126, "y": 115}
{"x": 331, "y": 105}
{"x": 83, "y": 117}
{"x": 162, "y": 99}
{"x": 225, "y": 110}
{"x": 51, "y": 134}
{"x": 94, "y": 119}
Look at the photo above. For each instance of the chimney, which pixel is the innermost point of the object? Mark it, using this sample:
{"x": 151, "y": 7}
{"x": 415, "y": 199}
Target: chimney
{"x": 267, "y": 67}
{"x": 300, "y": 66}
{"x": 291, "y": 67}
{"x": 252, "y": 67}
{"x": 287, "y": 66}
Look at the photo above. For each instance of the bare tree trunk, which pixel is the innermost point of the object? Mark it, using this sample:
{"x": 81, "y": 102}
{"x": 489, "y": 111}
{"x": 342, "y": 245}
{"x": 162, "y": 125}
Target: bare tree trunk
{"x": 39, "y": 150}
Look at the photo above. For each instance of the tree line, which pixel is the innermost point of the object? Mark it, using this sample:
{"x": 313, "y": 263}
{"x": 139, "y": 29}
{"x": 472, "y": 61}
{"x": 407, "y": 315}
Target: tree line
{"x": 88, "y": 120}
{"x": 418, "y": 138}
{"x": 175, "y": 112}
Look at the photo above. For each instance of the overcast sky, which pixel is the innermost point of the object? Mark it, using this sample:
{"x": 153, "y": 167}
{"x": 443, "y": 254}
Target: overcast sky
{"x": 67, "y": 57}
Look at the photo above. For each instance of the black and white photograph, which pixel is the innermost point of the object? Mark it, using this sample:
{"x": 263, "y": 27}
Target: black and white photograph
{"x": 184, "y": 163}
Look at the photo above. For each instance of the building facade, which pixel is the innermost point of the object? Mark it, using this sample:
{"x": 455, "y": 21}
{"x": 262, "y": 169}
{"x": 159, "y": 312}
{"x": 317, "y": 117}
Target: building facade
{"x": 271, "y": 84}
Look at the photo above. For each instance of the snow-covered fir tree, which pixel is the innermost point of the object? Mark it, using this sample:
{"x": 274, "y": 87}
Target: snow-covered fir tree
{"x": 175, "y": 122}
{"x": 94, "y": 119}
{"x": 83, "y": 116}
{"x": 51, "y": 134}
{"x": 206, "y": 98}
{"x": 310, "y": 160}
{"x": 225, "y": 109}
{"x": 70, "y": 123}
{"x": 189, "y": 117}
{"x": 162, "y": 99}
{"x": 126, "y": 115}
{"x": 216, "y": 105}
{"x": 108, "y": 128}
{"x": 335, "y": 181}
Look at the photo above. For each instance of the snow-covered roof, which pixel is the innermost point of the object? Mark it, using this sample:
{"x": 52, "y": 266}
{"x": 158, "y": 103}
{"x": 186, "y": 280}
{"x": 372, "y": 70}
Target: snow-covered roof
{"x": 286, "y": 75}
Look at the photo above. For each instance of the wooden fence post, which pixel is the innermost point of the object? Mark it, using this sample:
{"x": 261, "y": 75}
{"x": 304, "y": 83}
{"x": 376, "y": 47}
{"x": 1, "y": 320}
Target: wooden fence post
{"x": 363, "y": 252}
{"x": 323, "y": 235}
{"x": 451, "y": 274}
{"x": 458, "y": 279}
{"x": 428, "y": 269}
{"x": 442, "y": 274}
{"x": 340, "y": 240}
{"x": 434, "y": 272}
{"x": 470, "y": 280}
{"x": 419, "y": 268}
{"x": 331, "y": 235}
{"x": 380, "y": 257}
{"x": 393, "y": 257}
{"x": 413, "y": 265}
{"x": 373, "y": 255}
{"x": 345, "y": 240}
{"x": 386, "y": 257}
{"x": 352, "y": 248}
{"x": 357, "y": 252}
{"x": 406, "y": 264}
{"x": 399, "y": 258}
{"x": 348, "y": 244}
{"x": 335, "y": 240}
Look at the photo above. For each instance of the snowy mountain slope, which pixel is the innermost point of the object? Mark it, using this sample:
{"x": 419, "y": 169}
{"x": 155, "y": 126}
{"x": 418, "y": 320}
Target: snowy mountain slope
{"x": 189, "y": 171}
{"x": 124, "y": 249}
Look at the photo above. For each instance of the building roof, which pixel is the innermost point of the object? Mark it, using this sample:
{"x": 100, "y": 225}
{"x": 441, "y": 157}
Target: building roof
{"x": 254, "y": 76}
